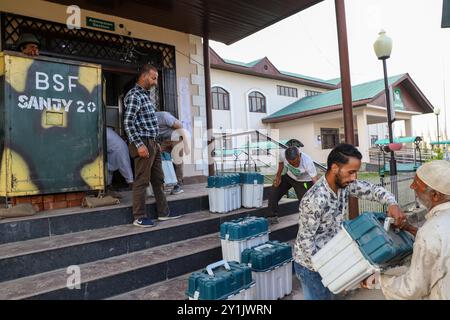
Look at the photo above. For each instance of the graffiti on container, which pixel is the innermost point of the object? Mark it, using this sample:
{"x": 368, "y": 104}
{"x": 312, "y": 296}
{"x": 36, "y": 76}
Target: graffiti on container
{"x": 42, "y": 81}
{"x": 52, "y": 128}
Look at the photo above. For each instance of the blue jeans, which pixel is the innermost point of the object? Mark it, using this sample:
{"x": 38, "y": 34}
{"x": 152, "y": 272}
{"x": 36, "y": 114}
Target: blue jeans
{"x": 311, "y": 282}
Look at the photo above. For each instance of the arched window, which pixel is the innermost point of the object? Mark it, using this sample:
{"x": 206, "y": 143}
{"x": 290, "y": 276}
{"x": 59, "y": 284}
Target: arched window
{"x": 257, "y": 102}
{"x": 220, "y": 98}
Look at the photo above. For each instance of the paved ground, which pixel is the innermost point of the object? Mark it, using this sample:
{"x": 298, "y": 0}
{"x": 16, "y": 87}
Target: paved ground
{"x": 174, "y": 289}
{"x": 358, "y": 294}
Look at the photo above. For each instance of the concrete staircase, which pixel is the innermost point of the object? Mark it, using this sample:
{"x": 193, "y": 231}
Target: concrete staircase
{"x": 116, "y": 259}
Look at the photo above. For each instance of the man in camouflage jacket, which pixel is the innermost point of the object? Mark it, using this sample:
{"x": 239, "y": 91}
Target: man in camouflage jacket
{"x": 323, "y": 208}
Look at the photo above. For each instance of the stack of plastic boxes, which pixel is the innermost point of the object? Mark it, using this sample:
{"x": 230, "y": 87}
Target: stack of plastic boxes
{"x": 361, "y": 248}
{"x": 222, "y": 281}
{"x": 224, "y": 193}
{"x": 252, "y": 189}
{"x": 240, "y": 234}
{"x": 248, "y": 256}
{"x": 271, "y": 265}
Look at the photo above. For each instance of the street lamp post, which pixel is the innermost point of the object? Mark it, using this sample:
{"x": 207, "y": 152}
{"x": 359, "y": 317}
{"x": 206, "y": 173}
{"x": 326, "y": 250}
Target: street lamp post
{"x": 437, "y": 112}
{"x": 383, "y": 48}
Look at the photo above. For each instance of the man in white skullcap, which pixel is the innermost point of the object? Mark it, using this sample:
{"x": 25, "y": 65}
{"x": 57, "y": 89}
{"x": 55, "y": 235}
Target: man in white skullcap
{"x": 428, "y": 276}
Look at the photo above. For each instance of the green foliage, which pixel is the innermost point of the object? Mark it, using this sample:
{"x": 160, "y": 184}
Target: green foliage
{"x": 438, "y": 154}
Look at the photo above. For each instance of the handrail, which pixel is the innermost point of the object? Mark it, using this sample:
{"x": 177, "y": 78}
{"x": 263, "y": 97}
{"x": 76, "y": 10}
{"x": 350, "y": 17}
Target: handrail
{"x": 270, "y": 139}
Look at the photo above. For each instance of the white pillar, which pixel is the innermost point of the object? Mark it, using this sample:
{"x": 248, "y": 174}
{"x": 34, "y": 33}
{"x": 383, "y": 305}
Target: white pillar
{"x": 363, "y": 135}
{"x": 408, "y": 128}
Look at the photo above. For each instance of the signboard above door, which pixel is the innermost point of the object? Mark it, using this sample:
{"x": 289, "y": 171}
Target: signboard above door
{"x": 100, "y": 24}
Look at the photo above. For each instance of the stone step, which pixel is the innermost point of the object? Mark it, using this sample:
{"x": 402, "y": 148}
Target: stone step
{"x": 70, "y": 220}
{"x": 24, "y": 258}
{"x": 114, "y": 276}
{"x": 175, "y": 289}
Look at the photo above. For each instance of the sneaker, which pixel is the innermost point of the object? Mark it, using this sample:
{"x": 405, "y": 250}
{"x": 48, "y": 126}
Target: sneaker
{"x": 144, "y": 222}
{"x": 273, "y": 220}
{"x": 177, "y": 190}
{"x": 170, "y": 216}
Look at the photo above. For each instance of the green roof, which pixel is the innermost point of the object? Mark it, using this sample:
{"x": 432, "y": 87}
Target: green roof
{"x": 297, "y": 75}
{"x": 362, "y": 91}
{"x": 286, "y": 73}
{"x": 243, "y": 64}
{"x": 400, "y": 140}
{"x": 334, "y": 81}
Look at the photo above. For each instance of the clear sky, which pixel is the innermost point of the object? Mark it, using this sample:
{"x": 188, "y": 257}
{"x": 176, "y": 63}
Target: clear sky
{"x": 306, "y": 43}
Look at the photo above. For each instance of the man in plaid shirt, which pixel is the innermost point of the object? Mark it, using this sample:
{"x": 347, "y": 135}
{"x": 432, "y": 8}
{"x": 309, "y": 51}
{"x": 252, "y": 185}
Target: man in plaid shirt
{"x": 141, "y": 127}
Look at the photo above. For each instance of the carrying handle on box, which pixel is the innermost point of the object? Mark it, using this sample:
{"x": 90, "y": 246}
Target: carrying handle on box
{"x": 387, "y": 223}
{"x": 217, "y": 264}
{"x": 263, "y": 246}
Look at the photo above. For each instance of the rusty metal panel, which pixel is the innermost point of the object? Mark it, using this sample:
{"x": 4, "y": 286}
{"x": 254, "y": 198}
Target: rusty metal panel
{"x": 51, "y": 126}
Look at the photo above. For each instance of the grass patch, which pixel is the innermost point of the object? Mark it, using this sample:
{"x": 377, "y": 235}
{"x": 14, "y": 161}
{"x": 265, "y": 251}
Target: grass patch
{"x": 367, "y": 175}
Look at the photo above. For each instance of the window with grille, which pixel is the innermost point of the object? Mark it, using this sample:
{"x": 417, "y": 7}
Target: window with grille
{"x": 356, "y": 137}
{"x": 220, "y": 98}
{"x": 57, "y": 38}
{"x": 329, "y": 137}
{"x": 309, "y": 93}
{"x": 108, "y": 49}
{"x": 257, "y": 102}
{"x": 373, "y": 139}
{"x": 287, "y": 91}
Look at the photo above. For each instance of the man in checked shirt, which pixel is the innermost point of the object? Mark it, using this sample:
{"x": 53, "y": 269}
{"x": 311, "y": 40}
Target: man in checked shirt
{"x": 323, "y": 208}
{"x": 141, "y": 127}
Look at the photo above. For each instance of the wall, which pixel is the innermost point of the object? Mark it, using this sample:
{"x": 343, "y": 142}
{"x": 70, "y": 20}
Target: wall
{"x": 186, "y": 48}
{"x": 409, "y": 103}
{"x": 378, "y": 129}
{"x": 240, "y": 85}
{"x": 308, "y": 129}
{"x": 303, "y": 130}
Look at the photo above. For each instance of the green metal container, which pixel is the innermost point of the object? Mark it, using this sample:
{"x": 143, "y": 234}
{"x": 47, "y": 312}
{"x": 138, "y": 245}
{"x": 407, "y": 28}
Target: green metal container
{"x": 243, "y": 228}
{"x": 51, "y": 126}
{"x": 219, "y": 281}
{"x": 267, "y": 256}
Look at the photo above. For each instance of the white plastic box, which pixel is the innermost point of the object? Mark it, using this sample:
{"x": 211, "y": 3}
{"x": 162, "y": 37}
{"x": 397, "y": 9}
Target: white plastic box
{"x": 236, "y": 198}
{"x": 252, "y": 189}
{"x": 252, "y": 195}
{"x": 232, "y": 249}
{"x": 212, "y": 199}
{"x": 247, "y": 294}
{"x": 271, "y": 265}
{"x": 341, "y": 264}
{"x": 274, "y": 284}
{"x": 224, "y": 193}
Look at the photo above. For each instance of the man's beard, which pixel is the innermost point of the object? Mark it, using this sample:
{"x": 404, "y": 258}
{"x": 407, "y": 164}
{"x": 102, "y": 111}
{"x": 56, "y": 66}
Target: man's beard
{"x": 338, "y": 180}
{"x": 425, "y": 202}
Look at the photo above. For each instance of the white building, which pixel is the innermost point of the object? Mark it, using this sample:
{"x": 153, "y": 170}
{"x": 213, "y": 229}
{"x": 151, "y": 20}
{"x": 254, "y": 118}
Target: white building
{"x": 257, "y": 95}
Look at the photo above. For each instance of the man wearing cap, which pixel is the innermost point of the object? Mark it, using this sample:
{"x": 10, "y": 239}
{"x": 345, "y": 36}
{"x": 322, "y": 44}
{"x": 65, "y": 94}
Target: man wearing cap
{"x": 28, "y": 44}
{"x": 428, "y": 276}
